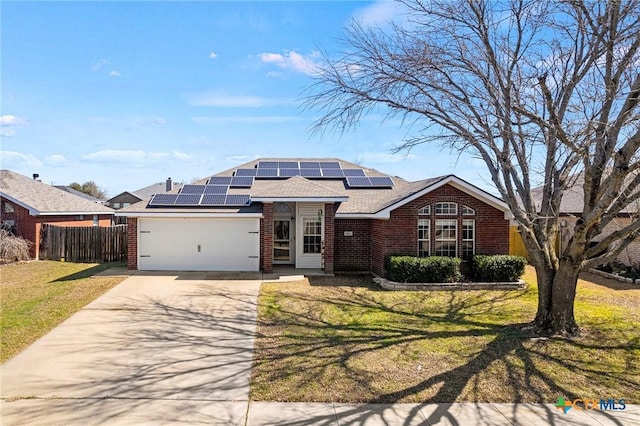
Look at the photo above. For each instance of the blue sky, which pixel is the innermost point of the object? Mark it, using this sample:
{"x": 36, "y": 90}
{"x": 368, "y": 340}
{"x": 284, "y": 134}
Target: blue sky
{"x": 129, "y": 93}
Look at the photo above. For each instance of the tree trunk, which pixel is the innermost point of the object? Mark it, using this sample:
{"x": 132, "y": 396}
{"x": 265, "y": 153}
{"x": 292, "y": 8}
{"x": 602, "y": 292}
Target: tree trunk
{"x": 556, "y": 297}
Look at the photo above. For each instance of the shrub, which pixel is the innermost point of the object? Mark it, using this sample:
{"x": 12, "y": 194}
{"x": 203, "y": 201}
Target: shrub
{"x": 435, "y": 269}
{"x": 497, "y": 268}
{"x": 13, "y": 248}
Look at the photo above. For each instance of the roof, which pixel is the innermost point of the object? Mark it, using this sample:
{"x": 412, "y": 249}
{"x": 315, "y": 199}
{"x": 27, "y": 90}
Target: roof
{"x": 354, "y": 202}
{"x": 42, "y": 199}
{"x": 70, "y": 190}
{"x": 146, "y": 192}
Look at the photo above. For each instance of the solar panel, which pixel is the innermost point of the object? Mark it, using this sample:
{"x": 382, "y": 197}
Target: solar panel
{"x": 329, "y": 165}
{"x": 310, "y": 173}
{"x": 237, "y": 200}
{"x": 213, "y": 200}
{"x": 216, "y": 189}
{"x": 358, "y": 182}
{"x": 267, "y": 164}
{"x": 332, "y": 173}
{"x": 242, "y": 181}
{"x": 192, "y": 189}
{"x": 288, "y": 165}
{"x": 381, "y": 181}
{"x": 187, "y": 200}
{"x": 353, "y": 172}
{"x": 267, "y": 173}
{"x": 219, "y": 180}
{"x": 246, "y": 172}
{"x": 309, "y": 165}
{"x": 163, "y": 200}
{"x": 289, "y": 172}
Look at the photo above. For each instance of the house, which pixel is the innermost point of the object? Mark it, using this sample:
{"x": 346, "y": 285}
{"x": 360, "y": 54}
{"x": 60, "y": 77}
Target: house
{"x": 312, "y": 213}
{"x": 571, "y": 207}
{"x": 126, "y": 198}
{"x": 28, "y": 203}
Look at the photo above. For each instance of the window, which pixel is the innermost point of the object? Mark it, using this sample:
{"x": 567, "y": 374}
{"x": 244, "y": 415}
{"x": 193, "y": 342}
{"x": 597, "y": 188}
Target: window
{"x": 426, "y": 211}
{"x": 443, "y": 209}
{"x": 116, "y": 205}
{"x": 126, "y": 204}
{"x": 468, "y": 238}
{"x": 8, "y": 208}
{"x": 80, "y": 217}
{"x": 312, "y": 236}
{"x": 96, "y": 222}
{"x": 446, "y": 237}
{"x": 424, "y": 232}
{"x": 468, "y": 211}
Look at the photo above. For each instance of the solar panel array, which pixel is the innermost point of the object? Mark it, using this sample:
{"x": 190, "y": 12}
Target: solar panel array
{"x": 216, "y": 190}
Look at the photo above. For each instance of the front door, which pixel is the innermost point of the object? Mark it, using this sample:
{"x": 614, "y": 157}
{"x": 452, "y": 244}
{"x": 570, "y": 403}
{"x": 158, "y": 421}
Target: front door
{"x": 282, "y": 239}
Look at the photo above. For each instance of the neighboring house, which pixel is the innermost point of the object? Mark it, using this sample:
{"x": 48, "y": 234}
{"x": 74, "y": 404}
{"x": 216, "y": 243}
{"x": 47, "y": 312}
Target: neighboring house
{"x": 126, "y": 198}
{"x": 87, "y": 197}
{"x": 28, "y": 203}
{"x": 312, "y": 213}
{"x": 571, "y": 207}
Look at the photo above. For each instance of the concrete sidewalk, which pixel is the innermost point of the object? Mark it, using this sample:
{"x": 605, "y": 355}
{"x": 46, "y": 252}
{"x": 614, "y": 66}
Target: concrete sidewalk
{"x": 113, "y": 411}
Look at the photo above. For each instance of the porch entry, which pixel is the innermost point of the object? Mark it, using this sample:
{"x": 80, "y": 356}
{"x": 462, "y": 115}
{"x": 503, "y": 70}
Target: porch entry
{"x": 298, "y": 219}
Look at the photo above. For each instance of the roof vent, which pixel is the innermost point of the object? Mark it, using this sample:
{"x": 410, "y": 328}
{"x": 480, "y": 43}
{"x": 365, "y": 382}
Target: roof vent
{"x": 36, "y": 176}
{"x": 169, "y": 185}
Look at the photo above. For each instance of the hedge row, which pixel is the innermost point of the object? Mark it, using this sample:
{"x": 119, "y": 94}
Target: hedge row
{"x": 497, "y": 268}
{"x": 437, "y": 269}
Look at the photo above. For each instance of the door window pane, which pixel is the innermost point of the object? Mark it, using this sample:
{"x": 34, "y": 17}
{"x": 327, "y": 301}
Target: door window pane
{"x": 312, "y": 236}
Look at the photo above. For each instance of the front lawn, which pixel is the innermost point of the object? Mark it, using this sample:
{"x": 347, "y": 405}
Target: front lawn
{"x": 37, "y": 296}
{"x": 326, "y": 340}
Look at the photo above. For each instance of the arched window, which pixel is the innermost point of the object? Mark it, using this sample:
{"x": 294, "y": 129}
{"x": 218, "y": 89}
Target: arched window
{"x": 468, "y": 211}
{"x": 426, "y": 210}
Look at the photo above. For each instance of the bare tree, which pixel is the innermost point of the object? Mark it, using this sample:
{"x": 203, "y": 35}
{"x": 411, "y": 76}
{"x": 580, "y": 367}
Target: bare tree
{"x": 545, "y": 92}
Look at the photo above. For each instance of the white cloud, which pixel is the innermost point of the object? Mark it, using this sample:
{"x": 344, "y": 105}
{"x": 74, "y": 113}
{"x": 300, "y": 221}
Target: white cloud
{"x": 306, "y": 64}
{"x": 135, "y": 158}
{"x": 56, "y": 160}
{"x": 380, "y": 13}
{"x": 246, "y": 119}
{"x": 213, "y": 99}
{"x": 157, "y": 121}
{"x": 383, "y": 158}
{"x": 99, "y": 64}
{"x": 9, "y": 123}
{"x": 115, "y": 73}
{"x": 237, "y": 158}
{"x": 15, "y": 160}
{"x": 213, "y": 55}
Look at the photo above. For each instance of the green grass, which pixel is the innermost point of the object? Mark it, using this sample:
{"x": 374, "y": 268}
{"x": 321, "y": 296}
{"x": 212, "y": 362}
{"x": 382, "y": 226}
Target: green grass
{"x": 345, "y": 340}
{"x": 37, "y": 296}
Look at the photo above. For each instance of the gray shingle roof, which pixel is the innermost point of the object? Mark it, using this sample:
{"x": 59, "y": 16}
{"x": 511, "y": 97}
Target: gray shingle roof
{"x": 70, "y": 190}
{"x": 157, "y": 188}
{"x": 364, "y": 201}
{"x": 41, "y": 198}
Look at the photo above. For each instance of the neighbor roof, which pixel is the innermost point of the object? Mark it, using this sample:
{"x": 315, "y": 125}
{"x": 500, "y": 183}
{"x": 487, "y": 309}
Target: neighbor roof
{"x": 70, "y": 190}
{"x": 354, "y": 202}
{"x": 43, "y": 199}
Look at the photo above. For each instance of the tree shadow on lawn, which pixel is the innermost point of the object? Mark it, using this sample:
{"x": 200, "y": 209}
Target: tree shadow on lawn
{"x": 89, "y": 272}
{"x": 310, "y": 348}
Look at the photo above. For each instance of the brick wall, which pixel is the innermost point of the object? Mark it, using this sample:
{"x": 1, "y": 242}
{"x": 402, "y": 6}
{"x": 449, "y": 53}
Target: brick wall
{"x": 399, "y": 234}
{"x": 329, "y": 237}
{"x": 132, "y": 243}
{"x": 352, "y": 252}
{"x": 266, "y": 238}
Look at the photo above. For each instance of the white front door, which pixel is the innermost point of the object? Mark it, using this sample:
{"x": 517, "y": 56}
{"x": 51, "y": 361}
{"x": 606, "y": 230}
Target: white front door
{"x": 310, "y": 229}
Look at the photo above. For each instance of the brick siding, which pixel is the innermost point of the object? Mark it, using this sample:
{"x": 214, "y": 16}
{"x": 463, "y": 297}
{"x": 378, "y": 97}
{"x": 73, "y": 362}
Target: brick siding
{"x": 266, "y": 238}
{"x": 352, "y": 252}
{"x": 329, "y": 237}
{"x": 132, "y": 243}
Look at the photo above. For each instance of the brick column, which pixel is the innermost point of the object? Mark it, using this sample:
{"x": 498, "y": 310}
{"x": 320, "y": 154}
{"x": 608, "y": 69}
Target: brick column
{"x": 132, "y": 243}
{"x": 266, "y": 238}
{"x": 329, "y": 233}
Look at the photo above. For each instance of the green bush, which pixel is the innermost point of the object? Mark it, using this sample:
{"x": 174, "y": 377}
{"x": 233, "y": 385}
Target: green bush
{"x": 434, "y": 269}
{"x": 497, "y": 268}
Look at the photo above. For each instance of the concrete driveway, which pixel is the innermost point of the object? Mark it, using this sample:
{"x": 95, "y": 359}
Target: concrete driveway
{"x": 154, "y": 349}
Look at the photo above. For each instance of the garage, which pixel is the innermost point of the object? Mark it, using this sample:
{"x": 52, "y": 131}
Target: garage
{"x": 199, "y": 244}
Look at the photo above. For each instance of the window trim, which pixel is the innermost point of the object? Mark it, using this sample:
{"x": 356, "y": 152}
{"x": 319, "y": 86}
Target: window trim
{"x": 448, "y": 222}
{"x": 468, "y": 211}
{"x": 472, "y": 239}
{"x": 425, "y": 210}
{"x": 421, "y": 223}
{"x": 440, "y": 206}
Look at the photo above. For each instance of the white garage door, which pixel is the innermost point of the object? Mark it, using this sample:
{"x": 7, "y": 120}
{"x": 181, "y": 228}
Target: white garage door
{"x": 186, "y": 244}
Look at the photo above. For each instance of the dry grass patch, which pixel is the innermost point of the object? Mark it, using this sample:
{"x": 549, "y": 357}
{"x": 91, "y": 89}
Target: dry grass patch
{"x": 37, "y": 296}
{"x": 354, "y": 342}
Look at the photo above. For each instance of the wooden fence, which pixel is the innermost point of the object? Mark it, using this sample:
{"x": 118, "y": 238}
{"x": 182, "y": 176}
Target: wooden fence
{"x": 83, "y": 243}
